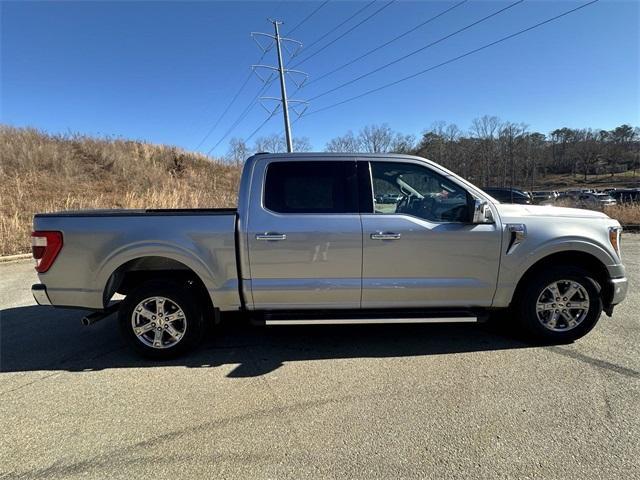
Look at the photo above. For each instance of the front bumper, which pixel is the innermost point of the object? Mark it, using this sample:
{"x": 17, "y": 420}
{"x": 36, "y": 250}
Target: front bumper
{"x": 39, "y": 292}
{"x": 619, "y": 288}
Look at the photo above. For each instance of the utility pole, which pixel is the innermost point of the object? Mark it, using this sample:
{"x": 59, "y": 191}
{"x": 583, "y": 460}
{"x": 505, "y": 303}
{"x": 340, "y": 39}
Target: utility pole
{"x": 282, "y": 73}
{"x": 283, "y": 90}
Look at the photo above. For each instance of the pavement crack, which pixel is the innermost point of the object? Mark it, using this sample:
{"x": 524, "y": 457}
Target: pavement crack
{"x": 24, "y": 385}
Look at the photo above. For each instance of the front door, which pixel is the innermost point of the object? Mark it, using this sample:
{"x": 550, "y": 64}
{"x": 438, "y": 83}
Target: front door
{"x": 305, "y": 235}
{"x": 420, "y": 249}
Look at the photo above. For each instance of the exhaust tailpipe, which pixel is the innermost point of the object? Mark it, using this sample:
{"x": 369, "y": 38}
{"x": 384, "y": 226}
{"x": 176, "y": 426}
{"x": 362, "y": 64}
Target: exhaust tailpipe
{"x": 94, "y": 317}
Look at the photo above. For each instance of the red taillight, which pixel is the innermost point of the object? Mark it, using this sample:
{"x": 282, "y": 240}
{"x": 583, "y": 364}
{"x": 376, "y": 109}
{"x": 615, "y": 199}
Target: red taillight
{"x": 45, "y": 247}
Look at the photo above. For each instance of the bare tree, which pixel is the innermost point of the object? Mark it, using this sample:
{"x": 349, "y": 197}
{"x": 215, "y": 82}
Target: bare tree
{"x": 302, "y": 144}
{"x": 587, "y": 149}
{"x": 273, "y": 143}
{"x": 403, "y": 143}
{"x": 238, "y": 151}
{"x": 347, "y": 143}
{"x": 510, "y": 150}
{"x": 376, "y": 138}
{"x": 485, "y": 130}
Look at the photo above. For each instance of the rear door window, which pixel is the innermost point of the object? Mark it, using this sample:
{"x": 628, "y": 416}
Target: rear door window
{"x": 311, "y": 187}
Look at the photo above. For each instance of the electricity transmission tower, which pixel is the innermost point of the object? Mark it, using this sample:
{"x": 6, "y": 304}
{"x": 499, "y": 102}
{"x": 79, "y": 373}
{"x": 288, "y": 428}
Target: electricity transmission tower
{"x": 296, "y": 76}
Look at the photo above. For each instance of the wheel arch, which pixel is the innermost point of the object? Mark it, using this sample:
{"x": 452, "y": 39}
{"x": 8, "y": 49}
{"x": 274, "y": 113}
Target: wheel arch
{"x": 578, "y": 258}
{"x": 141, "y": 269}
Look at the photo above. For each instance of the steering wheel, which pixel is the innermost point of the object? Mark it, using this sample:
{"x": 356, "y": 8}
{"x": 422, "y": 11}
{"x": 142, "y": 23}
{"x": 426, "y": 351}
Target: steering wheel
{"x": 425, "y": 208}
{"x": 403, "y": 204}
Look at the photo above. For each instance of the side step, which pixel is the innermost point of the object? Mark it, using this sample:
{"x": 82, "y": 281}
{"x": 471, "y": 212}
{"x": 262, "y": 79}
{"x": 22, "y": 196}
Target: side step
{"x": 369, "y": 317}
{"x": 368, "y": 321}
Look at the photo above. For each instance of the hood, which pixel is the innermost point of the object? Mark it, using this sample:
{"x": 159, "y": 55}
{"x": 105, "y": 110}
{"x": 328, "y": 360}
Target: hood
{"x": 513, "y": 210}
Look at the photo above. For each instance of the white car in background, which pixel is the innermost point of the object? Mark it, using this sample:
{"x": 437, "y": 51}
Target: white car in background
{"x": 595, "y": 201}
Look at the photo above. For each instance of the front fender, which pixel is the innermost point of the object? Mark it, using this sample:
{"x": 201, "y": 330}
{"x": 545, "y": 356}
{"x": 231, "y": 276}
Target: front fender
{"x": 515, "y": 265}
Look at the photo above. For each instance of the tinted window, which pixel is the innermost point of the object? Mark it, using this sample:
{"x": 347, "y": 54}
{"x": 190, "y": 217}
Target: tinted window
{"x": 419, "y": 191}
{"x": 311, "y": 187}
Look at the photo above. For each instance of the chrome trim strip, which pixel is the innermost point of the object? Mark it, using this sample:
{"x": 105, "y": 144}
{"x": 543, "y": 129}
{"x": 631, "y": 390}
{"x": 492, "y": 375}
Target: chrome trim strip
{"x": 367, "y": 321}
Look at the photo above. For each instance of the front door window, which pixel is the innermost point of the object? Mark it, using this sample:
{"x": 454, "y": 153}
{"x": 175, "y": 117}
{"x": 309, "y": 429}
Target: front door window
{"x": 407, "y": 188}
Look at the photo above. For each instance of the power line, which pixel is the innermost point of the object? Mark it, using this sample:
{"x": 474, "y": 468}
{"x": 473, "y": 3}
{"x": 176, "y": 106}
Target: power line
{"x": 414, "y": 52}
{"x": 357, "y": 12}
{"x": 263, "y": 123}
{"x": 345, "y": 33}
{"x": 242, "y": 115}
{"x": 366, "y": 54}
{"x": 307, "y": 18}
{"x": 235, "y": 97}
{"x": 471, "y": 52}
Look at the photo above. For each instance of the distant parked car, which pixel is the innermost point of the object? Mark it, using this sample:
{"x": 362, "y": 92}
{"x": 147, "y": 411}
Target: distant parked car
{"x": 595, "y": 200}
{"x": 631, "y": 195}
{"x": 573, "y": 194}
{"x": 508, "y": 195}
{"x": 543, "y": 197}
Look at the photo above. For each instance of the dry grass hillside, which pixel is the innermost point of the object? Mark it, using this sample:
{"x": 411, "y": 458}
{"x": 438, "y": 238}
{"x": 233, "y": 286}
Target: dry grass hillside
{"x": 43, "y": 173}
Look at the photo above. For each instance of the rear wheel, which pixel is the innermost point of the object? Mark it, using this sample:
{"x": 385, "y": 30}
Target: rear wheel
{"x": 161, "y": 319}
{"x": 559, "y": 304}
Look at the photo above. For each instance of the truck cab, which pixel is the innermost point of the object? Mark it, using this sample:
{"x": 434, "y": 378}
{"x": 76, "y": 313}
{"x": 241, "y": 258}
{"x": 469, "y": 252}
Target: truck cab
{"x": 315, "y": 237}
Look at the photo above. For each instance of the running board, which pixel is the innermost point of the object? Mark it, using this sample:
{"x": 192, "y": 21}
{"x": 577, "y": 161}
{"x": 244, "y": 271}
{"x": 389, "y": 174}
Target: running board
{"x": 368, "y": 321}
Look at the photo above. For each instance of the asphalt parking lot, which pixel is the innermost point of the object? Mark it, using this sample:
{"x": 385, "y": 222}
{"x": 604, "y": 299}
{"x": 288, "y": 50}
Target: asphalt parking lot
{"x": 414, "y": 401}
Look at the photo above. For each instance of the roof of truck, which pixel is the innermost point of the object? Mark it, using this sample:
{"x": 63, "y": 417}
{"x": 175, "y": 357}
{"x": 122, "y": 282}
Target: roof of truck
{"x": 335, "y": 156}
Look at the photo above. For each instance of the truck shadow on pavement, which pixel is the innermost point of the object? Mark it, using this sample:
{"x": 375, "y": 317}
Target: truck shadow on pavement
{"x": 43, "y": 338}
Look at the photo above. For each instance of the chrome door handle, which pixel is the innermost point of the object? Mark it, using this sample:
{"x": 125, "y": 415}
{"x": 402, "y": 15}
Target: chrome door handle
{"x": 385, "y": 236}
{"x": 271, "y": 236}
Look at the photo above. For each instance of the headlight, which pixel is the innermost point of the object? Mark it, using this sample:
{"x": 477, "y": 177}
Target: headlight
{"x": 614, "y": 238}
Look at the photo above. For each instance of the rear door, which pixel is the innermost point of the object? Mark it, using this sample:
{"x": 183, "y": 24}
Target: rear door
{"x": 305, "y": 235}
{"x": 422, "y": 250}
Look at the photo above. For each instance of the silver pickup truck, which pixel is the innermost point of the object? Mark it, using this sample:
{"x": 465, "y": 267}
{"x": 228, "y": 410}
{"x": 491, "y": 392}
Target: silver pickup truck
{"x": 333, "y": 238}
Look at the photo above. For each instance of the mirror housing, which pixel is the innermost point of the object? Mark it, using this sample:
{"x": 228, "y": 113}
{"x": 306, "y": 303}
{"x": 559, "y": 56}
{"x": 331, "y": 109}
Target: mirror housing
{"x": 481, "y": 212}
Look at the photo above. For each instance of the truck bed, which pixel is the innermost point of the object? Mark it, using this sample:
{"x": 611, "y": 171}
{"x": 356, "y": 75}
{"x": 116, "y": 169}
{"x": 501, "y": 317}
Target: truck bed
{"x": 96, "y": 243}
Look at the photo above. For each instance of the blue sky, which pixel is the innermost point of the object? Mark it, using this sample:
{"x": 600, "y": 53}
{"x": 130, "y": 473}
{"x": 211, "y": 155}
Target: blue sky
{"x": 164, "y": 71}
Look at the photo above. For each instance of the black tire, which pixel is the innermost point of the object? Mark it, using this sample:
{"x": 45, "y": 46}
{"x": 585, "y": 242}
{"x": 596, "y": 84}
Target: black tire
{"x": 190, "y": 324}
{"x": 526, "y": 305}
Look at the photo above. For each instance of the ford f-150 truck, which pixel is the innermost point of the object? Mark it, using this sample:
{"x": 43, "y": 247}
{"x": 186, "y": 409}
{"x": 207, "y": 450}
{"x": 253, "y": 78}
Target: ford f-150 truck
{"x": 333, "y": 238}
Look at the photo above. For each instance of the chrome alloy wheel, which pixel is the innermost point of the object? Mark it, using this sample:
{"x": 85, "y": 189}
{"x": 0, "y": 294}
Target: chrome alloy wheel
{"x": 158, "y": 322}
{"x": 562, "y": 305}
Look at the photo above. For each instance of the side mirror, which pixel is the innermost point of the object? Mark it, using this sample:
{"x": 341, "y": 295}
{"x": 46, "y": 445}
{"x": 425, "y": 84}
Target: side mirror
{"x": 481, "y": 212}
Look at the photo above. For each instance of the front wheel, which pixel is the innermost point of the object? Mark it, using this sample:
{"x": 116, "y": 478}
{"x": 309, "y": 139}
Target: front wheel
{"x": 559, "y": 304}
{"x": 161, "y": 319}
